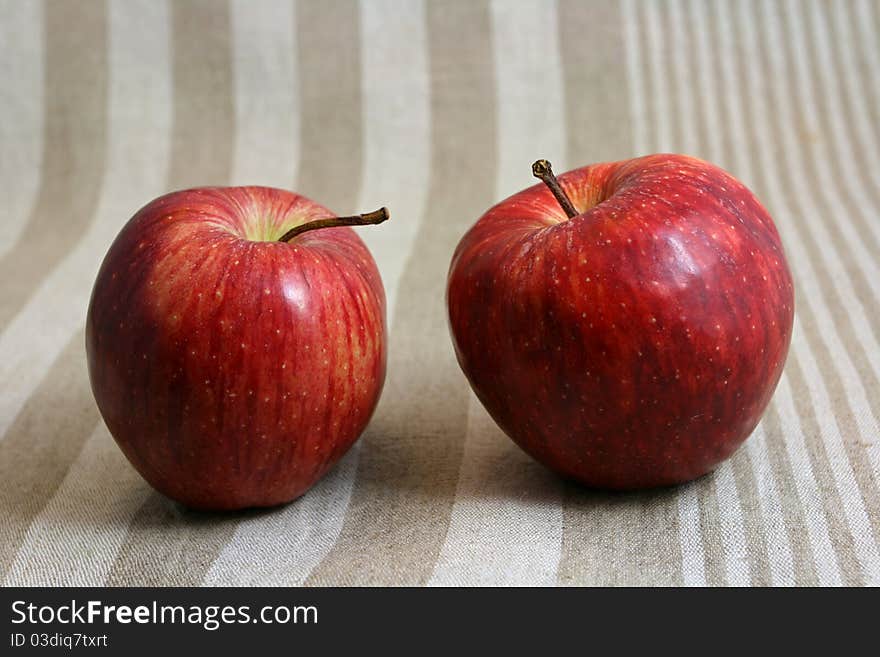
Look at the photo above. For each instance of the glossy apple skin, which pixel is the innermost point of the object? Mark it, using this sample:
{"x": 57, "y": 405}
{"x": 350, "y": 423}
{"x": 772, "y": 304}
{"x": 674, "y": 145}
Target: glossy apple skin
{"x": 637, "y": 344}
{"x": 234, "y": 373}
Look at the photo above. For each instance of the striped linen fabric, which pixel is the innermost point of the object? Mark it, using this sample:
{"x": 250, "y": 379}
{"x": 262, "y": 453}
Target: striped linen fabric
{"x": 437, "y": 109}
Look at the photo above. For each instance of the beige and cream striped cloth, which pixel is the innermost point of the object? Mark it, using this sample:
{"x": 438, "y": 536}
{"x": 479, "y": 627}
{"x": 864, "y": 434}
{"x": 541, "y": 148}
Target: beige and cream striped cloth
{"x": 437, "y": 109}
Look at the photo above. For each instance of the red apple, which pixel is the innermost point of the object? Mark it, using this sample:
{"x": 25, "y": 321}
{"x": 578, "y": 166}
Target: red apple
{"x": 236, "y": 346}
{"x": 634, "y": 340}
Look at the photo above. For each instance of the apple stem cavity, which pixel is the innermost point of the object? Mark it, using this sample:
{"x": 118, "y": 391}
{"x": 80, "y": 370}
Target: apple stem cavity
{"x": 368, "y": 219}
{"x": 542, "y": 169}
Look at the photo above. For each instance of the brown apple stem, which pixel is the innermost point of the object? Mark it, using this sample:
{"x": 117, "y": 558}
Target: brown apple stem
{"x": 370, "y": 218}
{"x": 542, "y": 169}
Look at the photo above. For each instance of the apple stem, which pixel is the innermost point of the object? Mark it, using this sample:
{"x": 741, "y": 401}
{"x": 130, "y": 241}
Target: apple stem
{"x": 370, "y": 218}
{"x": 542, "y": 169}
